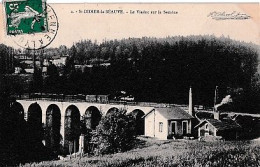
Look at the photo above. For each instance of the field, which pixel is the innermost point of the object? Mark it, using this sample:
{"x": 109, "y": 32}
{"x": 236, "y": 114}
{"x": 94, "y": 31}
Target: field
{"x": 150, "y": 152}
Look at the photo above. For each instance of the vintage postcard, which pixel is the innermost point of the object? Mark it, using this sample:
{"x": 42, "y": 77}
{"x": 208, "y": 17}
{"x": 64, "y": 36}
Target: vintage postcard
{"x": 129, "y": 84}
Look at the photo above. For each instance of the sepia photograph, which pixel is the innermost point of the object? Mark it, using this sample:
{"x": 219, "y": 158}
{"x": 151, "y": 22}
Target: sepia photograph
{"x": 129, "y": 84}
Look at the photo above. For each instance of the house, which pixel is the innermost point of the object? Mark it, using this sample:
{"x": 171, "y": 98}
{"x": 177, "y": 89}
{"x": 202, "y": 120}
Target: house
{"x": 29, "y": 70}
{"x": 225, "y": 128}
{"x": 165, "y": 122}
{"x": 59, "y": 61}
{"x": 29, "y": 63}
{"x": 18, "y": 70}
{"x": 44, "y": 71}
{"x": 23, "y": 56}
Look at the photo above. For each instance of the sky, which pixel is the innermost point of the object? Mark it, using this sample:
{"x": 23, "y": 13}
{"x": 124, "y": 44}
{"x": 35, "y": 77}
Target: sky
{"x": 192, "y": 19}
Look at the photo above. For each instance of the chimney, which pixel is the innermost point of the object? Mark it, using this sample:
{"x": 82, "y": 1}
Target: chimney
{"x": 190, "y": 102}
{"x": 215, "y": 107}
{"x": 216, "y": 115}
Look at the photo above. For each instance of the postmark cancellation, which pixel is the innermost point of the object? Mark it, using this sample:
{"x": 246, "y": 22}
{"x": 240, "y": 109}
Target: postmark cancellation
{"x": 32, "y": 24}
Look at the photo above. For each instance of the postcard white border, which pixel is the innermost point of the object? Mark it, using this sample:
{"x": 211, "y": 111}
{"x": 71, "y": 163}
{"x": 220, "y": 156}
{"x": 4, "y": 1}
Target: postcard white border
{"x": 149, "y": 1}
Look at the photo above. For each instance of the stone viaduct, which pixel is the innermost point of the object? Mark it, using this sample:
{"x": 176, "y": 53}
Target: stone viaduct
{"x": 65, "y": 113}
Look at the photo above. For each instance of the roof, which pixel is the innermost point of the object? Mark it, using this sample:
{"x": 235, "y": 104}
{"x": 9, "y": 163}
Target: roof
{"x": 221, "y": 124}
{"x": 29, "y": 70}
{"x": 56, "y": 57}
{"x": 172, "y": 113}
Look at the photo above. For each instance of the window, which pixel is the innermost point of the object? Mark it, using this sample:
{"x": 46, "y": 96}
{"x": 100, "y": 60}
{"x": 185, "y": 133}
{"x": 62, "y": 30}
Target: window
{"x": 160, "y": 126}
{"x": 206, "y": 127}
{"x": 184, "y": 127}
{"x": 173, "y": 127}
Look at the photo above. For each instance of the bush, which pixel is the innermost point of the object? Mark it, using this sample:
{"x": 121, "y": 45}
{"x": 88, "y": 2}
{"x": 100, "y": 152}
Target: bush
{"x": 115, "y": 133}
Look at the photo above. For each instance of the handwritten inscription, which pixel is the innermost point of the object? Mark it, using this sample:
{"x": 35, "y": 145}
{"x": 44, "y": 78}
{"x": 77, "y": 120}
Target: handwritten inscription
{"x": 228, "y": 16}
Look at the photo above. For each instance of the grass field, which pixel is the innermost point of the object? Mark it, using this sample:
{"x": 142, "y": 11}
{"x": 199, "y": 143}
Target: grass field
{"x": 150, "y": 152}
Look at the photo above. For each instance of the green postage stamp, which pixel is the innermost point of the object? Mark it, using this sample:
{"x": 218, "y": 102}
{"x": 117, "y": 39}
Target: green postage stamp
{"x": 25, "y": 16}
{"x": 31, "y": 24}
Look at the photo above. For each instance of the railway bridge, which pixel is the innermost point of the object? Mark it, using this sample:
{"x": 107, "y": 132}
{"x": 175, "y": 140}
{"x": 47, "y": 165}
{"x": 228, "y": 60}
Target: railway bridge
{"x": 61, "y": 114}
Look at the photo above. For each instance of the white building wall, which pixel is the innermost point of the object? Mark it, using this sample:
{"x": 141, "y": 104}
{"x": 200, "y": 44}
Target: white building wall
{"x": 161, "y": 135}
{"x": 149, "y": 125}
{"x": 152, "y": 121}
{"x": 189, "y": 126}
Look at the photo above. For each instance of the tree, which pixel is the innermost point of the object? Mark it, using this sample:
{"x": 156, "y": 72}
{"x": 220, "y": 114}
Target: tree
{"x": 52, "y": 81}
{"x": 115, "y": 133}
{"x": 37, "y": 82}
{"x": 69, "y": 65}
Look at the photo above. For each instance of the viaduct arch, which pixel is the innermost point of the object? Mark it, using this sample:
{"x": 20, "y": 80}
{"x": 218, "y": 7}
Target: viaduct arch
{"x": 92, "y": 117}
{"x": 112, "y": 110}
{"x": 72, "y": 130}
{"x": 52, "y": 127}
{"x": 54, "y": 115}
{"x": 35, "y": 122}
{"x": 17, "y": 110}
{"x": 138, "y": 114}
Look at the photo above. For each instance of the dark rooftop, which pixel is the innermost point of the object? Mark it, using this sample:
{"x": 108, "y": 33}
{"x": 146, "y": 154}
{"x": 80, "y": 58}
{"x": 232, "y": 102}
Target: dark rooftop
{"x": 173, "y": 113}
{"x": 221, "y": 124}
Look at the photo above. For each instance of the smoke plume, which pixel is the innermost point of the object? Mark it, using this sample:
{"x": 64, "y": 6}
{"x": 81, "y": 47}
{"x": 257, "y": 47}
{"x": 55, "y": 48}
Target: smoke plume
{"x": 225, "y": 100}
